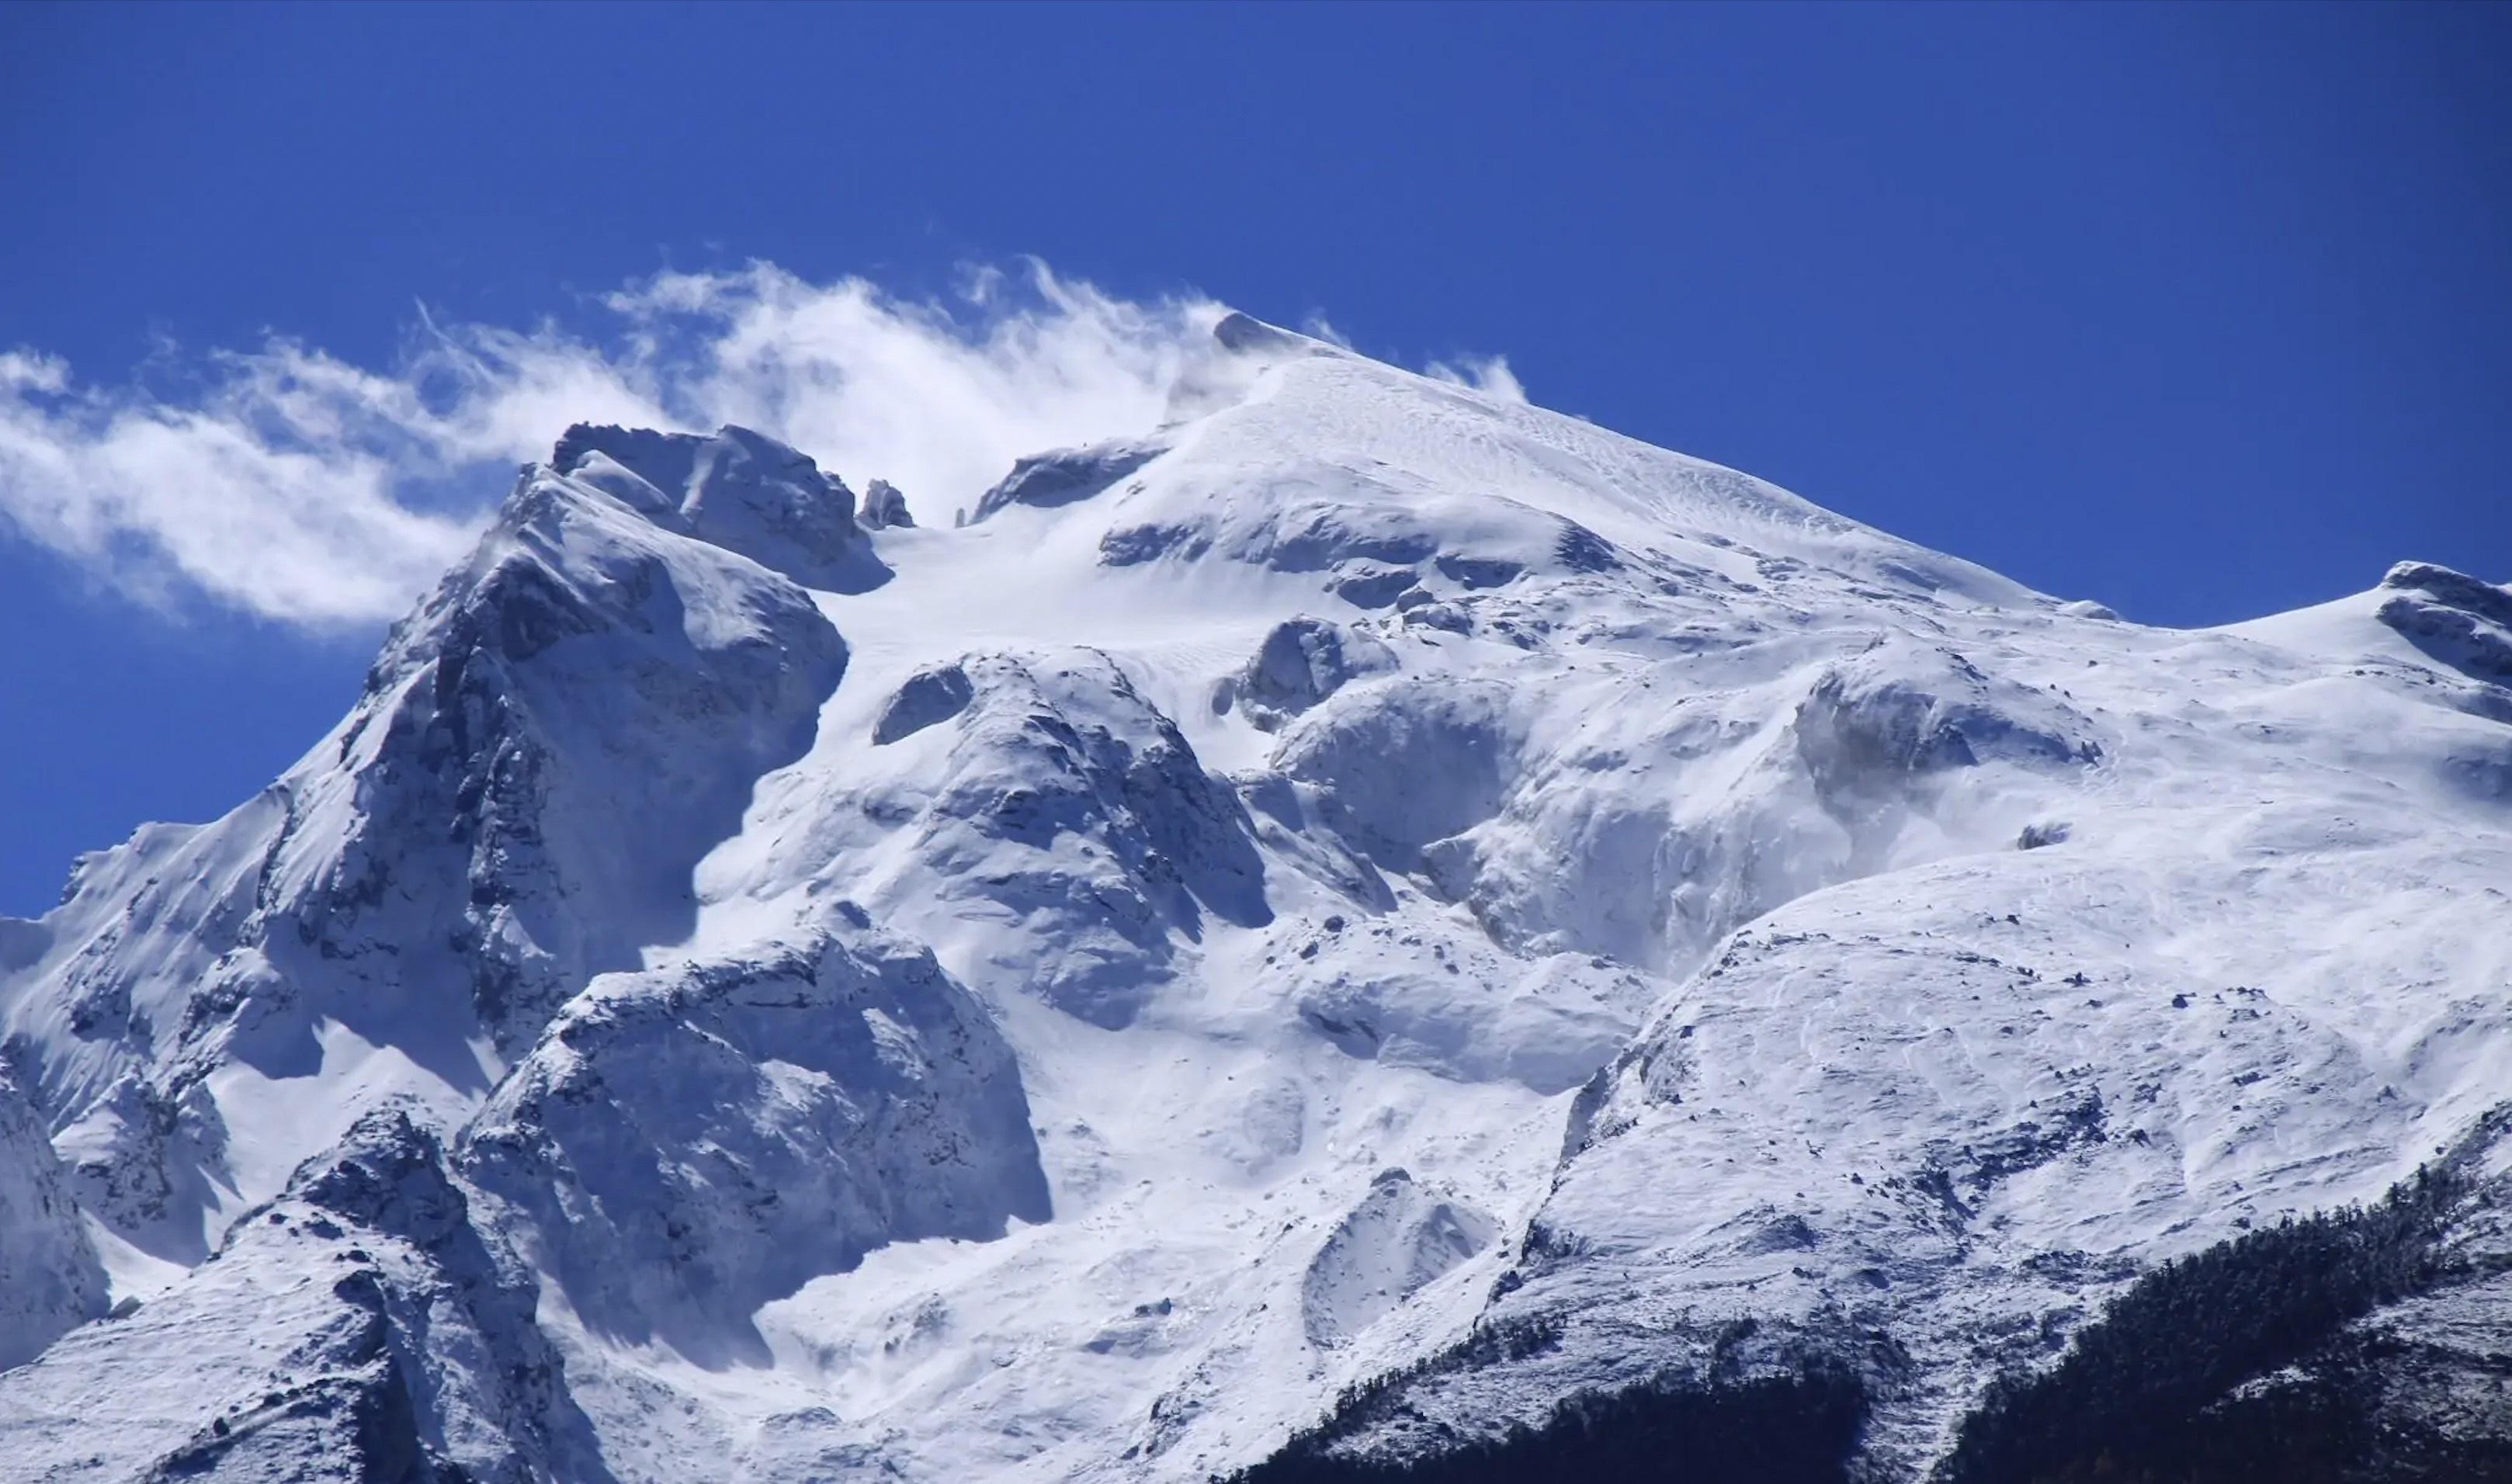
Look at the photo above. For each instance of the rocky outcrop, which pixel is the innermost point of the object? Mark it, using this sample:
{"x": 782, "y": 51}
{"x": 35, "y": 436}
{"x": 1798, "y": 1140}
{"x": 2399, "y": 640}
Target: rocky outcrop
{"x": 360, "y": 1328}
{"x": 542, "y": 752}
{"x": 884, "y": 508}
{"x": 826, "y": 1099}
{"x": 737, "y": 489}
{"x": 50, "y": 1279}
{"x": 1066, "y": 476}
{"x": 2458, "y": 620}
{"x": 1062, "y": 819}
{"x": 1302, "y": 662}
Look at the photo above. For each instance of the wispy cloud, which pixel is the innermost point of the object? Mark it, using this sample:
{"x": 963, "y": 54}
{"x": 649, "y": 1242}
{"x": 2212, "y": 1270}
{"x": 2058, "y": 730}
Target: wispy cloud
{"x": 257, "y": 496}
{"x": 294, "y": 486}
{"x": 288, "y": 484}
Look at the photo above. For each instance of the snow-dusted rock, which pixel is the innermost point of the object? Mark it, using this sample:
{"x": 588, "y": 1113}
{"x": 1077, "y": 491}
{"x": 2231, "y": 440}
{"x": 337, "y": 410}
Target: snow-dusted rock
{"x": 50, "y": 1278}
{"x": 589, "y": 702}
{"x": 1048, "y": 804}
{"x": 1302, "y": 662}
{"x": 1410, "y": 761}
{"x": 1399, "y": 1240}
{"x": 2454, "y": 617}
{"x": 928, "y": 698}
{"x": 1066, "y": 475}
{"x": 884, "y": 508}
{"x": 543, "y": 752}
{"x": 686, "y": 1145}
{"x": 736, "y": 489}
{"x": 359, "y": 1328}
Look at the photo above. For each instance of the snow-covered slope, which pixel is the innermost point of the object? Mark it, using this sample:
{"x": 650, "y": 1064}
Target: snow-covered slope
{"x": 1366, "y": 911}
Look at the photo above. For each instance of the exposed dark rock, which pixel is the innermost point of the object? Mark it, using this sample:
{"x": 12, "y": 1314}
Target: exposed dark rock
{"x": 884, "y": 508}
{"x": 1367, "y": 585}
{"x": 927, "y": 698}
{"x": 2037, "y": 836}
{"x": 1066, "y": 476}
{"x": 737, "y": 489}
{"x": 1302, "y": 662}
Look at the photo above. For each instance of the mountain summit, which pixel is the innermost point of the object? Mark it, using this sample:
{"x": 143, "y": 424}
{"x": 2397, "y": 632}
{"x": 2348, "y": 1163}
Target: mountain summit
{"x": 1369, "y": 932}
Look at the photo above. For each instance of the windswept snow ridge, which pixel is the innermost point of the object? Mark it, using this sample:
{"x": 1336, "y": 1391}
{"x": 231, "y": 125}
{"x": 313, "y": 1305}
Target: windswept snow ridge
{"x": 1367, "y": 932}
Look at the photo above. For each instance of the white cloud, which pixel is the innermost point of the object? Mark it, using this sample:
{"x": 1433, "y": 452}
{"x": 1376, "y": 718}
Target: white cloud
{"x": 292, "y": 485}
{"x": 301, "y": 488}
{"x": 250, "y": 498}
{"x": 938, "y": 404}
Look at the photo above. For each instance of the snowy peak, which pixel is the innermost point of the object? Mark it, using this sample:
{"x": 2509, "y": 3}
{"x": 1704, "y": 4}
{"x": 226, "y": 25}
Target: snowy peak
{"x": 595, "y": 646}
{"x": 2458, "y": 619}
{"x": 1246, "y": 335}
{"x": 1370, "y": 920}
{"x": 738, "y": 489}
{"x": 543, "y": 752}
{"x": 1298, "y": 455}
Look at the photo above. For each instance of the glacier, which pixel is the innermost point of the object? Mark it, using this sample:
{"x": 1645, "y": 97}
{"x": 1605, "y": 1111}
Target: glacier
{"x": 1367, "y": 932}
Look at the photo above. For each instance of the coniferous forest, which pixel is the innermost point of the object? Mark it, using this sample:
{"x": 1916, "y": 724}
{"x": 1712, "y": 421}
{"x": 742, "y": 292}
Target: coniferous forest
{"x": 2244, "y": 1363}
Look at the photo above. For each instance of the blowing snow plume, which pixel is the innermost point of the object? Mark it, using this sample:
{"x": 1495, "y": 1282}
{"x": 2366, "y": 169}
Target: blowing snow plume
{"x": 292, "y": 485}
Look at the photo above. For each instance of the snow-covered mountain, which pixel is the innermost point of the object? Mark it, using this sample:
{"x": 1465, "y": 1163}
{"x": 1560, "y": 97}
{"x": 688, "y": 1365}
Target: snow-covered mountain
{"x": 1370, "y": 933}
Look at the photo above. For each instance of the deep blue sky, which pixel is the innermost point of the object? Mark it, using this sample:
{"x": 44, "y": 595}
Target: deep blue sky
{"x": 2204, "y": 312}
